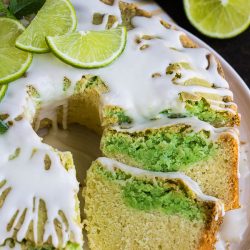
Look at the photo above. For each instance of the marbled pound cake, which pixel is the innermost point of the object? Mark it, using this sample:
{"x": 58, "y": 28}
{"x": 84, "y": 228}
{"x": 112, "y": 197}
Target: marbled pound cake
{"x": 129, "y": 208}
{"x": 163, "y": 105}
{"x": 208, "y": 157}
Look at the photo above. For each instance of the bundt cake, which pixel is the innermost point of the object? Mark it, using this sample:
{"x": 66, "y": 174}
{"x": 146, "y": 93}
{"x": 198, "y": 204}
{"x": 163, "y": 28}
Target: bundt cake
{"x": 162, "y": 106}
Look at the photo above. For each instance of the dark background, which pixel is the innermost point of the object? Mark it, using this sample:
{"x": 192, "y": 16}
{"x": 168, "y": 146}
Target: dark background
{"x": 235, "y": 50}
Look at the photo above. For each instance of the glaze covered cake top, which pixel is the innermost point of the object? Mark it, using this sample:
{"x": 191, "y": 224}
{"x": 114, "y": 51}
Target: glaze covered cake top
{"x": 151, "y": 77}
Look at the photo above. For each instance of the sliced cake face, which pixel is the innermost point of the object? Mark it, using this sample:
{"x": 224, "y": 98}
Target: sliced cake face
{"x": 128, "y": 208}
{"x": 164, "y": 149}
{"x": 39, "y": 207}
{"x": 200, "y": 153}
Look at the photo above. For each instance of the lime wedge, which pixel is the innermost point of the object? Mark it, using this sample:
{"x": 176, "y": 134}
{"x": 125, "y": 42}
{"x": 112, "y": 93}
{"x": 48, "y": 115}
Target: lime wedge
{"x": 3, "y": 89}
{"x": 90, "y": 49}
{"x": 219, "y": 18}
{"x": 54, "y": 18}
{"x": 14, "y": 62}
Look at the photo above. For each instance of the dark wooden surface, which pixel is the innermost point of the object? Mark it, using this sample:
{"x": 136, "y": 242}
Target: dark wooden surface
{"x": 235, "y": 50}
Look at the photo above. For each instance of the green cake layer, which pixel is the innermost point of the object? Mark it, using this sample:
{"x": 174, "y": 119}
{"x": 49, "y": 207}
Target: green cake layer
{"x": 202, "y": 109}
{"x": 115, "y": 115}
{"x": 204, "y": 112}
{"x": 144, "y": 194}
{"x": 196, "y": 104}
{"x": 128, "y": 208}
{"x": 166, "y": 149}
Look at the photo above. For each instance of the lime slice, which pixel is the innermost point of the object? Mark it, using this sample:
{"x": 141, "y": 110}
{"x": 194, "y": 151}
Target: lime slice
{"x": 54, "y": 18}
{"x": 90, "y": 49}
{"x": 219, "y": 18}
{"x": 3, "y": 89}
{"x": 14, "y": 62}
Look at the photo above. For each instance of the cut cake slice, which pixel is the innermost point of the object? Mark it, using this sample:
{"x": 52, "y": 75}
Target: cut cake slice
{"x": 39, "y": 207}
{"x": 207, "y": 156}
{"x": 129, "y": 208}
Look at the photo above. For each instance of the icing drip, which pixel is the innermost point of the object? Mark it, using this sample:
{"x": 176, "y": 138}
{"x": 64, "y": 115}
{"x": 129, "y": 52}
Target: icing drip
{"x": 30, "y": 181}
{"x": 74, "y": 138}
{"x": 132, "y": 87}
{"x": 196, "y": 124}
{"x": 112, "y": 165}
{"x": 234, "y": 230}
{"x": 125, "y": 82}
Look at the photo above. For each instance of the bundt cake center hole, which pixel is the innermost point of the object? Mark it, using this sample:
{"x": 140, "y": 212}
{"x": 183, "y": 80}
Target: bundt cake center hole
{"x": 83, "y": 144}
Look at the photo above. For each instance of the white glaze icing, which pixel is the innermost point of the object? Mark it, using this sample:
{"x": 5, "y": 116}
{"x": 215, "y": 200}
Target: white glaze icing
{"x": 196, "y": 125}
{"x": 232, "y": 235}
{"x": 125, "y": 83}
{"x": 131, "y": 87}
{"x": 16, "y": 247}
{"x": 111, "y": 164}
{"x": 74, "y": 140}
{"x": 234, "y": 225}
{"x": 163, "y": 121}
{"x": 30, "y": 182}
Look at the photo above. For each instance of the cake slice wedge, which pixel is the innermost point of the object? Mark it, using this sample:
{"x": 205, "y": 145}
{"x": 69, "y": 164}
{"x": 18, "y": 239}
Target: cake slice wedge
{"x": 130, "y": 208}
{"x": 207, "y": 155}
{"x": 39, "y": 207}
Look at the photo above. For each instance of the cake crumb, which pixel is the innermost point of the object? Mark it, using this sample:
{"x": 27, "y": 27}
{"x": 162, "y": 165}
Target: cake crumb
{"x": 143, "y": 47}
{"x": 156, "y": 75}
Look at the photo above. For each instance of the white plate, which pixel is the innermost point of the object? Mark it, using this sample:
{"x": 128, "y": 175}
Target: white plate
{"x": 84, "y": 146}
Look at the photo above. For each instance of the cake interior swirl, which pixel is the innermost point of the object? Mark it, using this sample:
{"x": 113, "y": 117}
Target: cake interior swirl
{"x": 167, "y": 123}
